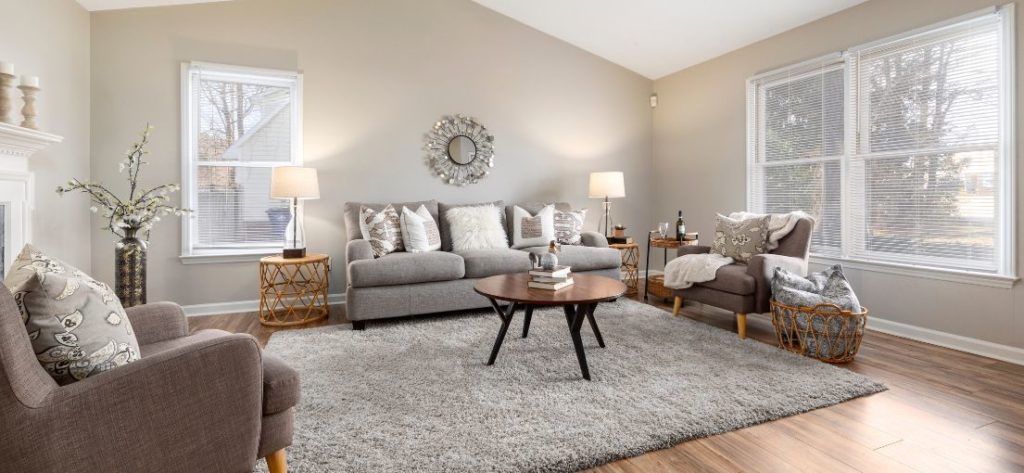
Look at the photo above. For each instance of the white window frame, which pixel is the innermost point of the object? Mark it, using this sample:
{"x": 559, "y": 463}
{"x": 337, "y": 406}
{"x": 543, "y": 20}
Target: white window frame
{"x": 1006, "y": 238}
{"x": 189, "y": 161}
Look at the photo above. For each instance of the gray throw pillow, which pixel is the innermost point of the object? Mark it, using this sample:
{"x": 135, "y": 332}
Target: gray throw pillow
{"x": 76, "y": 324}
{"x": 569, "y": 226}
{"x": 741, "y": 239}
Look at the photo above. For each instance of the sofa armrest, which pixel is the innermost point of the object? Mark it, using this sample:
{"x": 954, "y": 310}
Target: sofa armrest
{"x": 157, "y": 322}
{"x": 761, "y": 268}
{"x": 593, "y": 239}
{"x": 692, "y": 250}
{"x": 358, "y": 250}
{"x": 206, "y": 392}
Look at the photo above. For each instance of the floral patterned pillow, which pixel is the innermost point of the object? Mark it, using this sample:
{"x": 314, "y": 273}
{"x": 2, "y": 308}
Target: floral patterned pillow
{"x": 76, "y": 324}
{"x": 569, "y": 226}
{"x": 741, "y": 239}
{"x": 383, "y": 229}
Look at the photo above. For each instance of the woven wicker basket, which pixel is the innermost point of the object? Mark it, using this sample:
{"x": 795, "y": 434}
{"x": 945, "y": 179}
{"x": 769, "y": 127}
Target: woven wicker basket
{"x": 656, "y": 287}
{"x": 825, "y": 331}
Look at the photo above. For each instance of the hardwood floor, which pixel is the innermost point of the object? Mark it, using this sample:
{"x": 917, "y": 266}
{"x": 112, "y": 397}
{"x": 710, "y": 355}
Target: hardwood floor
{"x": 945, "y": 411}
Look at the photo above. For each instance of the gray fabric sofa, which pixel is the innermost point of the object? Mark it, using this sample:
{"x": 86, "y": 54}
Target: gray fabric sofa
{"x": 402, "y": 283}
{"x": 210, "y": 401}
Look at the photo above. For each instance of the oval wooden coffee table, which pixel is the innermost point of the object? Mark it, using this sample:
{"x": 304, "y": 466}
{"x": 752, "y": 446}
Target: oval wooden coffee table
{"x": 578, "y": 302}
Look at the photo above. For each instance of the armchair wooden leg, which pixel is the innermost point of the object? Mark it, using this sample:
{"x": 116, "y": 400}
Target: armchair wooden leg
{"x": 741, "y": 325}
{"x": 678, "y": 305}
{"x": 277, "y": 462}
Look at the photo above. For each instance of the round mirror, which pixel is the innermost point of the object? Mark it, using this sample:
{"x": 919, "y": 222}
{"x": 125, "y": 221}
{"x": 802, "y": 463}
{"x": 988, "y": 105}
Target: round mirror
{"x": 461, "y": 149}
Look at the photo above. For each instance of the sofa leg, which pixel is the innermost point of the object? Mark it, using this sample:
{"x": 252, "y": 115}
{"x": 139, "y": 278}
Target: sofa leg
{"x": 358, "y": 325}
{"x": 277, "y": 462}
{"x": 678, "y": 305}
{"x": 741, "y": 325}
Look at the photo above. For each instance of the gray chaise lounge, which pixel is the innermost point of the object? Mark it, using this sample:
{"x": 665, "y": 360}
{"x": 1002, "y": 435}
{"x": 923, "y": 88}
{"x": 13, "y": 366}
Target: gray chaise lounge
{"x": 401, "y": 283}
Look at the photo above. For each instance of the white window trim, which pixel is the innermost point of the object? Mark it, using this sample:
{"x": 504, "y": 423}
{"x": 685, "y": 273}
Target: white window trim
{"x": 190, "y": 255}
{"x": 1006, "y": 246}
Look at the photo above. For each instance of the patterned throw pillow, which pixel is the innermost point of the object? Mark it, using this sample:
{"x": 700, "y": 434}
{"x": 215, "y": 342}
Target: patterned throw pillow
{"x": 569, "y": 226}
{"x": 76, "y": 324}
{"x": 382, "y": 229}
{"x": 532, "y": 230}
{"x": 741, "y": 239}
{"x": 419, "y": 230}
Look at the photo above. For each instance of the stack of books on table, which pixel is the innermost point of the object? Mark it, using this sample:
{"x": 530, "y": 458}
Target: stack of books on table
{"x": 553, "y": 280}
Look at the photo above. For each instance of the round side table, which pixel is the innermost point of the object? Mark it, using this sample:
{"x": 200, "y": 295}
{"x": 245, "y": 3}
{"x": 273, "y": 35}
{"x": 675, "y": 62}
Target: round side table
{"x": 293, "y": 291}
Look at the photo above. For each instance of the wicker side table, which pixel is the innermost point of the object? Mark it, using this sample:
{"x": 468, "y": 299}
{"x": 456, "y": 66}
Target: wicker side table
{"x": 630, "y": 265}
{"x": 293, "y": 291}
{"x": 656, "y": 284}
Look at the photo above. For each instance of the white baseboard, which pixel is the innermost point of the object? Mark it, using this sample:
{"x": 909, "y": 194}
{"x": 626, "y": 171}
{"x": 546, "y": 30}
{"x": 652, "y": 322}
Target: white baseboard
{"x": 241, "y": 307}
{"x": 957, "y": 342}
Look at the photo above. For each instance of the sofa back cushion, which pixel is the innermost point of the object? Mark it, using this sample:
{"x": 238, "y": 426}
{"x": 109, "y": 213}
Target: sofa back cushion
{"x": 798, "y": 242}
{"x": 446, "y": 231}
{"x": 352, "y": 214}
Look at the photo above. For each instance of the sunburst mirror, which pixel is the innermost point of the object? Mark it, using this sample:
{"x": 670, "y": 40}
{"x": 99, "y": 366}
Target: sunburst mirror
{"x": 459, "y": 150}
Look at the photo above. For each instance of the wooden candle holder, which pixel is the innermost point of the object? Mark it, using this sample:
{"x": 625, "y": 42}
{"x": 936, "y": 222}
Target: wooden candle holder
{"x": 6, "y": 98}
{"x": 28, "y": 112}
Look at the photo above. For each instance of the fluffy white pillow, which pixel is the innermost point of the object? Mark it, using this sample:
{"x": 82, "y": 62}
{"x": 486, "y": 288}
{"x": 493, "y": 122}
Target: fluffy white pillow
{"x": 419, "y": 230}
{"x": 476, "y": 228}
{"x": 532, "y": 230}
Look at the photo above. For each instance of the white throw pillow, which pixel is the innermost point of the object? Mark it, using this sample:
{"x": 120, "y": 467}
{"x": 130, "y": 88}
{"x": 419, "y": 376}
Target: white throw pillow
{"x": 532, "y": 230}
{"x": 476, "y": 228}
{"x": 419, "y": 230}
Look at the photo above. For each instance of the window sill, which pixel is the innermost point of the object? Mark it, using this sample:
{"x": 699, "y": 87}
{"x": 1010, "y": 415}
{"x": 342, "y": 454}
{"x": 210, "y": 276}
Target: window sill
{"x": 951, "y": 275}
{"x": 241, "y": 256}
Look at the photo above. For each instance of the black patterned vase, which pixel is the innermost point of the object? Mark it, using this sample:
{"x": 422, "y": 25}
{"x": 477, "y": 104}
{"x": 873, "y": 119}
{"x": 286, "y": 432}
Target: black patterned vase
{"x": 130, "y": 269}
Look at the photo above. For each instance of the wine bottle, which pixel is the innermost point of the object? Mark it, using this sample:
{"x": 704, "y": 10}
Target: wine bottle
{"x": 680, "y": 227}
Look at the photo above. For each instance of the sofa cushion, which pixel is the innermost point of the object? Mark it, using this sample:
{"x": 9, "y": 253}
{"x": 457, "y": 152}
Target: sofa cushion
{"x": 352, "y": 214}
{"x": 280, "y": 385}
{"x": 446, "y": 231}
{"x": 584, "y": 258}
{"x": 533, "y": 208}
{"x": 76, "y": 324}
{"x": 732, "y": 278}
{"x": 406, "y": 268}
{"x": 483, "y": 263}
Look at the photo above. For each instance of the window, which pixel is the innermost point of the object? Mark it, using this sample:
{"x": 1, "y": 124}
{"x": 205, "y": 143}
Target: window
{"x": 238, "y": 123}
{"x": 901, "y": 149}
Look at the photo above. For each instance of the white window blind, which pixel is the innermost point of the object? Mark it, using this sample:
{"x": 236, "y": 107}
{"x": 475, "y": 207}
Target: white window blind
{"x": 240, "y": 123}
{"x": 797, "y": 146}
{"x": 926, "y": 177}
{"x": 901, "y": 149}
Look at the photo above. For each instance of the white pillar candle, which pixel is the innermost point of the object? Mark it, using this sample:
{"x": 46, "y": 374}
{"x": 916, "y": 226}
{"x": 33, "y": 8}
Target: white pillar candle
{"x": 6, "y": 68}
{"x": 31, "y": 81}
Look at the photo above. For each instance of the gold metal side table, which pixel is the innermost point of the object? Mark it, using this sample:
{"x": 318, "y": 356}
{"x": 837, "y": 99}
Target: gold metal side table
{"x": 293, "y": 291}
{"x": 630, "y": 266}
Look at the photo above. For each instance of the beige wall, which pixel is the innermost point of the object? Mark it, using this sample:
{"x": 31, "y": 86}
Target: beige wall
{"x": 377, "y": 76}
{"x": 699, "y": 155}
{"x": 50, "y": 39}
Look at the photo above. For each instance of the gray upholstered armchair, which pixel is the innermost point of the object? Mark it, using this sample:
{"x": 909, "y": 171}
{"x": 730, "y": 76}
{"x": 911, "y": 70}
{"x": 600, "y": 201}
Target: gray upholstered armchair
{"x": 745, "y": 288}
{"x": 206, "y": 402}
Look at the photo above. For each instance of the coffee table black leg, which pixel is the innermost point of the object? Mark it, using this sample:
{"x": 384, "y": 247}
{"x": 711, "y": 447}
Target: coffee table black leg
{"x": 593, "y": 324}
{"x": 575, "y": 316}
{"x": 506, "y": 319}
{"x": 526, "y": 320}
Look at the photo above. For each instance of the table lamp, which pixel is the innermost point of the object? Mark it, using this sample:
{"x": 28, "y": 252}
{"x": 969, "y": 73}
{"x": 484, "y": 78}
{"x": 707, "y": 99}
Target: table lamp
{"x": 607, "y": 185}
{"x": 294, "y": 183}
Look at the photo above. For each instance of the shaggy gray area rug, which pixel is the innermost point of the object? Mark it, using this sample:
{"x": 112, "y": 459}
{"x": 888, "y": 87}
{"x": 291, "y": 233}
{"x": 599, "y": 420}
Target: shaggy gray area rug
{"x": 416, "y": 395}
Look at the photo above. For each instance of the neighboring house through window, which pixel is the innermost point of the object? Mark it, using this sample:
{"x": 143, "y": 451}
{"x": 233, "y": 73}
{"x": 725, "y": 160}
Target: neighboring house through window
{"x": 902, "y": 149}
{"x": 238, "y": 123}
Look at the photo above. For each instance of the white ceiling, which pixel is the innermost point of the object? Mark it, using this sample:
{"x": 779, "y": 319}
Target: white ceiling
{"x": 651, "y": 37}
{"x": 95, "y": 5}
{"x": 658, "y": 37}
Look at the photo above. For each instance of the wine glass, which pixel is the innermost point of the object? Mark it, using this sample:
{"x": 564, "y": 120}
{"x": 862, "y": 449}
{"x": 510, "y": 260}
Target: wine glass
{"x": 663, "y": 230}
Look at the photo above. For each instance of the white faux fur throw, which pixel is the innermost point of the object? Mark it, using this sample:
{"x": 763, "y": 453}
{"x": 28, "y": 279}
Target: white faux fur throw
{"x": 686, "y": 270}
{"x": 779, "y": 225}
{"x": 476, "y": 228}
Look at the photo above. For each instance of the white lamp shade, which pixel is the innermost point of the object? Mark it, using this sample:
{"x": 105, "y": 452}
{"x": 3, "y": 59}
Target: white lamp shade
{"x": 294, "y": 182}
{"x": 607, "y": 184}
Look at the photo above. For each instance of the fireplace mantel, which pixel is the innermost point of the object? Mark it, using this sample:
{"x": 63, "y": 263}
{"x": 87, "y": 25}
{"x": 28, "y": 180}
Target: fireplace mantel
{"x": 21, "y": 143}
{"x": 17, "y": 186}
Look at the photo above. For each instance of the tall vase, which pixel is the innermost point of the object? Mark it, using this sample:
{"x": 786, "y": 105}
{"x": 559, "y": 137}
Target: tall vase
{"x": 130, "y": 269}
